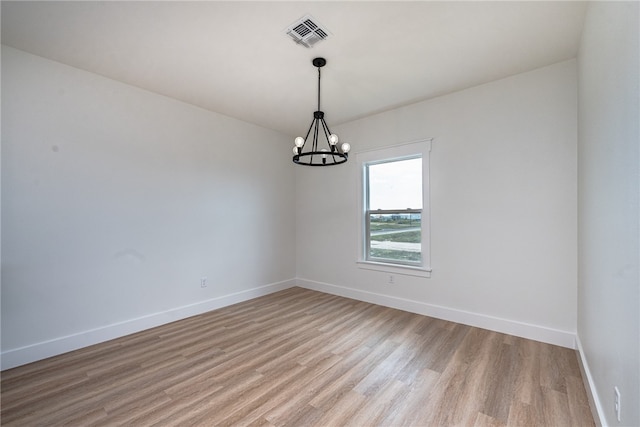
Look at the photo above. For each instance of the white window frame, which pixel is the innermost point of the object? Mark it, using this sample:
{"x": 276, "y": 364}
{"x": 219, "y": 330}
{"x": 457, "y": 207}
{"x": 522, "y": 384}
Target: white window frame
{"x": 422, "y": 149}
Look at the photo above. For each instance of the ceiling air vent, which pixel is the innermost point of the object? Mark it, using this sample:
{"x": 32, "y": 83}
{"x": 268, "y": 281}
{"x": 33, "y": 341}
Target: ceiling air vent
{"x": 307, "y": 31}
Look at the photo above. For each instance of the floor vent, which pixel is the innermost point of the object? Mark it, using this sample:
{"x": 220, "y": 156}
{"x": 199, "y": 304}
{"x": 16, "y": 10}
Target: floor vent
{"x": 306, "y": 31}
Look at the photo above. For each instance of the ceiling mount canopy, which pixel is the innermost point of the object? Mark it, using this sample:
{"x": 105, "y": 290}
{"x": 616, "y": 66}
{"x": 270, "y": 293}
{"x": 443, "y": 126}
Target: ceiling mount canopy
{"x": 317, "y": 154}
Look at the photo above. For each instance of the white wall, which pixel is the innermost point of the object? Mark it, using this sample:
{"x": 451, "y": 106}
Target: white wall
{"x": 116, "y": 201}
{"x": 503, "y": 199}
{"x": 609, "y": 189}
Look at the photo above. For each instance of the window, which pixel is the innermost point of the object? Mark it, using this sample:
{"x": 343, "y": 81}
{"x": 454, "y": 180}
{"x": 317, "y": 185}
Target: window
{"x": 394, "y": 208}
{"x": 393, "y": 231}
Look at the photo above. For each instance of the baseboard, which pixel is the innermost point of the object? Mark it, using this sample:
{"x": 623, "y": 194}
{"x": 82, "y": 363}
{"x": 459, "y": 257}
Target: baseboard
{"x": 21, "y": 356}
{"x": 506, "y": 326}
{"x": 43, "y": 350}
{"x": 592, "y": 393}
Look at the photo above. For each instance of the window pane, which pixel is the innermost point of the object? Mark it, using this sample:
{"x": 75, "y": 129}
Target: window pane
{"x": 396, "y": 185}
{"x": 395, "y": 237}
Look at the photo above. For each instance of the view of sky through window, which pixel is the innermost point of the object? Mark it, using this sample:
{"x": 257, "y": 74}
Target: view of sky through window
{"x": 396, "y": 185}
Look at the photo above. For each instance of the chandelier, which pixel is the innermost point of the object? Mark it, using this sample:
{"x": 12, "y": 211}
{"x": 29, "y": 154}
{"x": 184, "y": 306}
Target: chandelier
{"x": 316, "y": 156}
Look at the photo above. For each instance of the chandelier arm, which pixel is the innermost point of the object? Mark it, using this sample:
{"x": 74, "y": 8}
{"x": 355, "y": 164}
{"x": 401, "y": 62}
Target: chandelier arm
{"x": 327, "y": 132}
{"x": 315, "y": 136}
{"x": 307, "y": 135}
{"x": 313, "y": 131}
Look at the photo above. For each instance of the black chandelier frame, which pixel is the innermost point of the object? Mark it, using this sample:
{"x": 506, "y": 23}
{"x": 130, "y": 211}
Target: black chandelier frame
{"x": 316, "y": 156}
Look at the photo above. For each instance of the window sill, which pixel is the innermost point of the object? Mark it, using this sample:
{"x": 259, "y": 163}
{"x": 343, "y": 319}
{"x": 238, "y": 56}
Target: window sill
{"x": 407, "y": 270}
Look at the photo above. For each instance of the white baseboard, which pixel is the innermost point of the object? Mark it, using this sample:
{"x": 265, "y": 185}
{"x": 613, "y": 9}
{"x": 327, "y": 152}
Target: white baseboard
{"x": 594, "y": 401}
{"x": 21, "y": 356}
{"x": 506, "y": 326}
{"x": 31, "y": 353}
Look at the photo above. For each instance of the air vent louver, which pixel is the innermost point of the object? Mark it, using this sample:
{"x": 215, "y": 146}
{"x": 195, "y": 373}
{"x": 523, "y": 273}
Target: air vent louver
{"x": 306, "y": 31}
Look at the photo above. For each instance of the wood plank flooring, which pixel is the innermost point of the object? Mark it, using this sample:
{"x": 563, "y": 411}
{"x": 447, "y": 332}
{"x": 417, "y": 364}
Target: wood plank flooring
{"x": 301, "y": 358}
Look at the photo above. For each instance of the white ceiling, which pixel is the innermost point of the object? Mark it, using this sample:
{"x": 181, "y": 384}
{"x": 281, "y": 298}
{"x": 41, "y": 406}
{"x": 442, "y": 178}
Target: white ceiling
{"x": 234, "y": 57}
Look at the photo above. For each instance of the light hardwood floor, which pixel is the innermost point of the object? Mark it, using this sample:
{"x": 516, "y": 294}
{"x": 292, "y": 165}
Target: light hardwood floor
{"x": 298, "y": 358}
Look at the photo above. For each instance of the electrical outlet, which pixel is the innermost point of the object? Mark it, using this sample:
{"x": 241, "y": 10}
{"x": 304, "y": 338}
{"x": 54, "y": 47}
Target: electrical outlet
{"x": 392, "y": 279}
{"x": 616, "y": 402}
{"x": 203, "y": 282}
